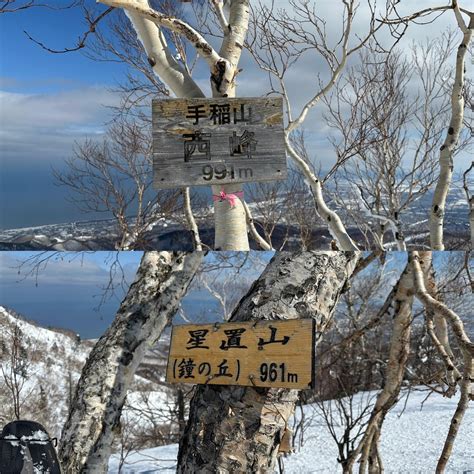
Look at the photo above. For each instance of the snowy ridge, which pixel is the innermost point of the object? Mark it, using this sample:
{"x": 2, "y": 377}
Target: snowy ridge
{"x": 54, "y": 360}
{"x": 167, "y": 233}
{"x": 47, "y": 338}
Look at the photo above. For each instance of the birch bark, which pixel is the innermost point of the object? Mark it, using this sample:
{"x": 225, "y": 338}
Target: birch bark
{"x": 239, "y": 429}
{"x": 152, "y": 301}
{"x": 231, "y": 223}
{"x": 467, "y": 347}
{"x": 436, "y": 220}
{"x": 399, "y": 303}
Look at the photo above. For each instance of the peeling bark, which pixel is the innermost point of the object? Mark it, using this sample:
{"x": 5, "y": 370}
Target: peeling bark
{"x": 239, "y": 429}
{"x": 152, "y": 301}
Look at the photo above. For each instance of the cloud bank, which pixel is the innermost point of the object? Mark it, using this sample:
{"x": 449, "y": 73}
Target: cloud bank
{"x": 45, "y": 126}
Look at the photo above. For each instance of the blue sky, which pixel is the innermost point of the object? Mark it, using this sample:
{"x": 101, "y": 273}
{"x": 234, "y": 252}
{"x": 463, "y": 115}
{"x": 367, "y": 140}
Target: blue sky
{"x": 50, "y": 101}
{"x": 67, "y": 292}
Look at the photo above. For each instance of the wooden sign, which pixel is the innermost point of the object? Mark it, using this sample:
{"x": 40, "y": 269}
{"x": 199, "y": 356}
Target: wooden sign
{"x": 217, "y": 141}
{"x": 261, "y": 354}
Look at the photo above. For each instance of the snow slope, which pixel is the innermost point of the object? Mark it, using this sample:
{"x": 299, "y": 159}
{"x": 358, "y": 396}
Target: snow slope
{"x": 54, "y": 363}
{"x": 412, "y": 439}
{"x": 55, "y": 359}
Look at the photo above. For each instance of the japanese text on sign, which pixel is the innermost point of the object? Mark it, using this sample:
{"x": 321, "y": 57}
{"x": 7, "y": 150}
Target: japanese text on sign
{"x": 265, "y": 354}
{"x": 217, "y": 141}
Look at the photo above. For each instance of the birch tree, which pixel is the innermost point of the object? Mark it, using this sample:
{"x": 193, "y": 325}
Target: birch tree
{"x": 240, "y": 429}
{"x": 230, "y": 221}
{"x": 465, "y": 23}
{"x": 278, "y": 40}
{"x": 164, "y": 38}
{"x": 467, "y": 347}
{"x": 455, "y": 125}
{"x": 387, "y": 137}
{"x": 399, "y": 304}
{"x": 150, "y": 304}
{"x": 415, "y": 279}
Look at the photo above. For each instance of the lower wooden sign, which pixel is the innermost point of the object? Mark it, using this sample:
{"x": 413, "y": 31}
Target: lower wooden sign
{"x": 261, "y": 354}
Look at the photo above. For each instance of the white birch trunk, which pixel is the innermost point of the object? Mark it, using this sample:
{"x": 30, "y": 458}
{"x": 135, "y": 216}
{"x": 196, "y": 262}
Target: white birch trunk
{"x": 437, "y": 211}
{"x": 231, "y": 223}
{"x": 400, "y": 301}
{"x": 152, "y": 301}
{"x": 239, "y": 429}
{"x": 467, "y": 347}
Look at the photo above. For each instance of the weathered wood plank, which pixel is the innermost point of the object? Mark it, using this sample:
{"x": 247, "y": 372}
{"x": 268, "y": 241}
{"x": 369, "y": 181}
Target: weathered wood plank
{"x": 217, "y": 141}
{"x": 262, "y": 354}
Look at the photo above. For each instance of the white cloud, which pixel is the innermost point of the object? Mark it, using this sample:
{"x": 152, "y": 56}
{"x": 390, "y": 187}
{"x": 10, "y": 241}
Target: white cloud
{"x": 45, "y": 126}
{"x": 35, "y": 126}
{"x": 302, "y": 78}
{"x": 66, "y": 269}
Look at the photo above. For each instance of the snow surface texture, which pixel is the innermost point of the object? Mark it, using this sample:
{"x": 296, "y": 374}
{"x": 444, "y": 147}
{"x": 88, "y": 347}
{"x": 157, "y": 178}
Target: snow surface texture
{"x": 411, "y": 442}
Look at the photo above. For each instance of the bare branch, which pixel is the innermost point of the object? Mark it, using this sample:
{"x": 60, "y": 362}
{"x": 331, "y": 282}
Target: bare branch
{"x": 219, "y": 10}
{"x": 191, "y": 220}
{"x": 253, "y": 230}
{"x": 81, "y": 42}
{"x": 11, "y": 6}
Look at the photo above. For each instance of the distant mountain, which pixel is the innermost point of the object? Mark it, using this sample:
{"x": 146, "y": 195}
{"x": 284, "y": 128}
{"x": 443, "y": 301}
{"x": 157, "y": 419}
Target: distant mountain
{"x": 170, "y": 234}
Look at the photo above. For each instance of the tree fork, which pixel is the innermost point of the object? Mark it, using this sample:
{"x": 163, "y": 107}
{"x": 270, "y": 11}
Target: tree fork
{"x": 230, "y": 222}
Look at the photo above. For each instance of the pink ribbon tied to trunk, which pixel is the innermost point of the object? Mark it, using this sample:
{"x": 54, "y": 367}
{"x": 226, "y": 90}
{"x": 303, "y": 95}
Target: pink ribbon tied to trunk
{"x": 231, "y": 197}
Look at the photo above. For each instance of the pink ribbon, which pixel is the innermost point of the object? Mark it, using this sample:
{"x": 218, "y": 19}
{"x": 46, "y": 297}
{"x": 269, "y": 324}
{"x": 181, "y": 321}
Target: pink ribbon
{"x": 222, "y": 196}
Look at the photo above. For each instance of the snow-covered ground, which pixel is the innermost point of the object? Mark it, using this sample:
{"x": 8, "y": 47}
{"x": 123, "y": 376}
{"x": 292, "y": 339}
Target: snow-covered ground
{"x": 411, "y": 442}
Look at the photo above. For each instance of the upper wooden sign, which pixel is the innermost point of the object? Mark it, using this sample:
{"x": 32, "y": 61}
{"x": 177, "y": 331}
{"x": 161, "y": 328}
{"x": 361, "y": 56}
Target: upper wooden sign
{"x": 217, "y": 141}
{"x": 261, "y": 354}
